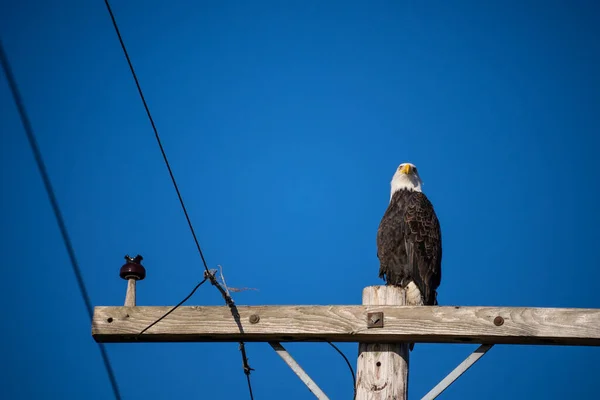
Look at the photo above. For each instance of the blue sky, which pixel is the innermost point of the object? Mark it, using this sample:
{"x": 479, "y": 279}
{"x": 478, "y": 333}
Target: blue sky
{"x": 284, "y": 122}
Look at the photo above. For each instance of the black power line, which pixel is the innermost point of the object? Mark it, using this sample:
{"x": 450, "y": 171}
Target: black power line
{"x": 173, "y": 309}
{"x": 162, "y": 150}
{"x": 208, "y": 274}
{"x": 349, "y": 366}
{"x": 226, "y": 296}
{"x": 54, "y": 202}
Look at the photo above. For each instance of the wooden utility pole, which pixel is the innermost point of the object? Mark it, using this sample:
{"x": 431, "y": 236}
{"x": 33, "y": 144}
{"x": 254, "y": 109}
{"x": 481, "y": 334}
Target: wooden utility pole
{"x": 382, "y": 372}
{"x": 383, "y": 326}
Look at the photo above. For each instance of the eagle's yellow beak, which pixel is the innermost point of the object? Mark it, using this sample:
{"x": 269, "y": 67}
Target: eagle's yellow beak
{"x": 406, "y": 169}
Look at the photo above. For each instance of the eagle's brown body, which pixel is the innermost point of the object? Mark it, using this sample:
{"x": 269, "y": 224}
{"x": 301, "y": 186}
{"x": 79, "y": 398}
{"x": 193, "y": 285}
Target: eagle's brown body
{"x": 409, "y": 245}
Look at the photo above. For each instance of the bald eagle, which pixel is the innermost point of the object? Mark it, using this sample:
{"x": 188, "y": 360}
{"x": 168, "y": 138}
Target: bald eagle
{"x": 409, "y": 240}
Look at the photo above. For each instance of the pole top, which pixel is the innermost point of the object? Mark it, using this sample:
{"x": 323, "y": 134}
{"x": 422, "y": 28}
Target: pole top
{"x": 133, "y": 269}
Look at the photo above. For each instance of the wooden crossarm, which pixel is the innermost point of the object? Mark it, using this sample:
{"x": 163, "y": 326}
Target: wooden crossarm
{"x": 502, "y": 325}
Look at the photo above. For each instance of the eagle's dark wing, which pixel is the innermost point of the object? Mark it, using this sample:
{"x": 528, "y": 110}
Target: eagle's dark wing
{"x": 391, "y": 249}
{"x": 424, "y": 244}
{"x": 409, "y": 244}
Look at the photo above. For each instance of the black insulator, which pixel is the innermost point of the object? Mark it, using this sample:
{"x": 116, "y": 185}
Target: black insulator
{"x": 133, "y": 269}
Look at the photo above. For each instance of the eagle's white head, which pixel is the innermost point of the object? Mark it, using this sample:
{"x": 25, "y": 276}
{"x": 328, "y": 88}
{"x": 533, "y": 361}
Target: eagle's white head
{"x": 406, "y": 177}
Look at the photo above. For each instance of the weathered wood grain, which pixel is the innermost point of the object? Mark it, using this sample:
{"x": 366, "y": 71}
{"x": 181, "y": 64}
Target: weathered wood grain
{"x": 130, "y": 294}
{"x": 382, "y": 368}
{"x": 554, "y": 326}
